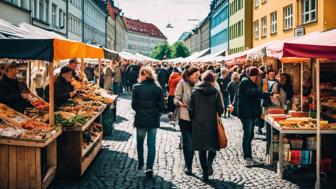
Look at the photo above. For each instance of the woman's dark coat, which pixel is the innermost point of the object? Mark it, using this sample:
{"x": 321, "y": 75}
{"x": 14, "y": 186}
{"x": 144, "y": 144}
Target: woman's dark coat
{"x": 10, "y": 94}
{"x": 206, "y": 103}
{"x": 147, "y": 101}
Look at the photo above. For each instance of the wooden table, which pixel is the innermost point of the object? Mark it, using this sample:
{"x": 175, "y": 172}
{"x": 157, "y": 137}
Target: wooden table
{"x": 73, "y": 160}
{"x": 276, "y": 126}
{"x": 28, "y": 163}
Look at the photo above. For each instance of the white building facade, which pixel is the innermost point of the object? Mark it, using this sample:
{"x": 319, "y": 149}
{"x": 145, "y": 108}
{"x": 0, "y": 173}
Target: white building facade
{"x": 21, "y": 10}
{"x": 50, "y": 15}
{"x": 75, "y": 19}
{"x": 95, "y": 13}
{"x": 142, "y": 37}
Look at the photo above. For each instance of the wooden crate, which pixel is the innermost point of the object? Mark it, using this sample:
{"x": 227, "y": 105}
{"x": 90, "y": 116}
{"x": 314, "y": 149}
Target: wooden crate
{"x": 73, "y": 160}
{"x": 27, "y": 165}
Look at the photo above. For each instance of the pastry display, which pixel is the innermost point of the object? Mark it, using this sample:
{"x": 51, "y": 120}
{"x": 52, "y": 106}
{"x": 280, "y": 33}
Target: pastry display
{"x": 302, "y": 123}
{"x": 12, "y": 116}
{"x": 31, "y": 130}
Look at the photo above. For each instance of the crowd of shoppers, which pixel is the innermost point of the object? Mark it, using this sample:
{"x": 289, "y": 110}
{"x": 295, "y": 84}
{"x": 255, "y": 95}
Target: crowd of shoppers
{"x": 196, "y": 95}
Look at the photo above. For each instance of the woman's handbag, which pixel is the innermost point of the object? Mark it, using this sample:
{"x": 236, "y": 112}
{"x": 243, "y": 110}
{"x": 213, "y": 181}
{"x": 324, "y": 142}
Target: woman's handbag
{"x": 222, "y": 139}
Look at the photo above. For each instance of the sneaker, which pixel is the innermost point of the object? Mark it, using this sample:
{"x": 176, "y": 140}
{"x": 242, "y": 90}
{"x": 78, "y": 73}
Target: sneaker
{"x": 257, "y": 163}
{"x": 187, "y": 171}
{"x": 248, "y": 162}
{"x": 149, "y": 172}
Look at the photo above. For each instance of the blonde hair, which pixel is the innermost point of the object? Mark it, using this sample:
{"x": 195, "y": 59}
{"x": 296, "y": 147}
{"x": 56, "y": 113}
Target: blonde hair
{"x": 148, "y": 72}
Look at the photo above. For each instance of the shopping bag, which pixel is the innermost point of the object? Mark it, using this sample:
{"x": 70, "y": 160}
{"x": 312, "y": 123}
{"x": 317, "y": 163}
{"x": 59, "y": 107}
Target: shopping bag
{"x": 222, "y": 139}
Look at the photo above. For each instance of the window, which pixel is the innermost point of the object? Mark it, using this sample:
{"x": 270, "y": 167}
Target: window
{"x": 35, "y": 8}
{"x": 23, "y": 4}
{"x": 60, "y": 18}
{"x": 308, "y": 11}
{"x": 288, "y": 17}
{"x": 53, "y": 18}
{"x": 264, "y": 26}
{"x": 47, "y": 11}
{"x": 273, "y": 22}
{"x": 41, "y": 8}
{"x": 256, "y": 3}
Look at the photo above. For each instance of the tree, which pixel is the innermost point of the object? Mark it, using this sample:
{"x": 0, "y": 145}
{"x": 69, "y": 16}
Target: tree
{"x": 180, "y": 50}
{"x": 162, "y": 51}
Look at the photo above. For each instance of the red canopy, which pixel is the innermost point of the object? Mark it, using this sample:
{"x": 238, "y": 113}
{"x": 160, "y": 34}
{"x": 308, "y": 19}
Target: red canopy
{"x": 314, "y": 45}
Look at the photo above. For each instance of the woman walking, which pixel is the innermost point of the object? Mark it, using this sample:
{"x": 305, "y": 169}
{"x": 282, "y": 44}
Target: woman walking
{"x": 182, "y": 99}
{"x": 147, "y": 101}
{"x": 206, "y": 104}
{"x": 174, "y": 79}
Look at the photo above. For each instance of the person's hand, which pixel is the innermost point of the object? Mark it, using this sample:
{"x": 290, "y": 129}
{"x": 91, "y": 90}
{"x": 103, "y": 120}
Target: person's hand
{"x": 24, "y": 95}
{"x": 73, "y": 93}
{"x": 182, "y": 104}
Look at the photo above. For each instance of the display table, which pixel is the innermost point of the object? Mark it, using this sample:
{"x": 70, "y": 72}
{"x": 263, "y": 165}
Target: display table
{"x": 73, "y": 156}
{"x": 282, "y": 132}
{"x": 28, "y": 163}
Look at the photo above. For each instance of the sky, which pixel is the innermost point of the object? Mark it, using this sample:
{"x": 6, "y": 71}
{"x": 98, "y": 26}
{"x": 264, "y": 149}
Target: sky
{"x": 162, "y": 12}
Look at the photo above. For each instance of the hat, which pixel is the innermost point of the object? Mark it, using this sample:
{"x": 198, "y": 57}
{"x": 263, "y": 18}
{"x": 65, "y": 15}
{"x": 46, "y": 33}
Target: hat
{"x": 65, "y": 69}
{"x": 252, "y": 71}
{"x": 176, "y": 69}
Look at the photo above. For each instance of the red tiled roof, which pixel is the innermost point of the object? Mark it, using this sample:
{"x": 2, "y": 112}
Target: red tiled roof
{"x": 113, "y": 11}
{"x": 142, "y": 27}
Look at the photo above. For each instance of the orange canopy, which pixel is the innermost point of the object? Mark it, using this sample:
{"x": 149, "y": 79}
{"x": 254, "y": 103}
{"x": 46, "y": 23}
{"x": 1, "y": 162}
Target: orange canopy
{"x": 66, "y": 49}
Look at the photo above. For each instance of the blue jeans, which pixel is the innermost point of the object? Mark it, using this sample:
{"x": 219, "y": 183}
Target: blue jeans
{"x": 248, "y": 128}
{"x": 151, "y": 139}
{"x": 188, "y": 149}
{"x": 116, "y": 88}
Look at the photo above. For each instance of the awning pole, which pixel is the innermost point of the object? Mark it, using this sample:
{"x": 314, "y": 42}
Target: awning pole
{"x": 99, "y": 70}
{"x": 51, "y": 93}
{"x": 318, "y": 134}
{"x": 82, "y": 69}
{"x": 301, "y": 85}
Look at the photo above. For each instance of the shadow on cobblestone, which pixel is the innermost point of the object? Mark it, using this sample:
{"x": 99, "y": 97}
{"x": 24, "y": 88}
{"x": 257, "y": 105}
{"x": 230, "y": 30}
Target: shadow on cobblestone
{"x": 113, "y": 169}
{"x": 172, "y": 129}
{"x": 118, "y": 135}
{"x": 120, "y": 119}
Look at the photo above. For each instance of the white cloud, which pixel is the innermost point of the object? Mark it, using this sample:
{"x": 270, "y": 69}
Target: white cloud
{"x": 162, "y": 12}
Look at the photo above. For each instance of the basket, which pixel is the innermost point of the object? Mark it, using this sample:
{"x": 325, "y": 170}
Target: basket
{"x": 311, "y": 143}
{"x": 296, "y": 144}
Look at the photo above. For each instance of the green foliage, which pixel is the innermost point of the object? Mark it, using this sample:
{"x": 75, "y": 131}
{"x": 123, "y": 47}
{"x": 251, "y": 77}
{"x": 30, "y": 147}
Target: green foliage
{"x": 180, "y": 50}
{"x": 162, "y": 50}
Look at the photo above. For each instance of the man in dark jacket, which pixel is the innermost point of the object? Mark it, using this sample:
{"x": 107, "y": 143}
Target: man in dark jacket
{"x": 249, "y": 109}
{"x": 223, "y": 83}
{"x": 63, "y": 90}
{"x": 10, "y": 92}
{"x": 133, "y": 74}
{"x": 163, "y": 78}
{"x": 147, "y": 101}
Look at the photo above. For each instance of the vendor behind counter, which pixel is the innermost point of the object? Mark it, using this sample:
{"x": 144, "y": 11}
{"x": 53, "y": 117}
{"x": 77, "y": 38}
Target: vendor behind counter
{"x": 63, "y": 90}
{"x": 11, "y": 93}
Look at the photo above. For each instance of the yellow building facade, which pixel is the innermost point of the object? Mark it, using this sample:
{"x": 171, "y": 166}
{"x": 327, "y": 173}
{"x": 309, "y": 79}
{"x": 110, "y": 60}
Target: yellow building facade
{"x": 283, "y": 19}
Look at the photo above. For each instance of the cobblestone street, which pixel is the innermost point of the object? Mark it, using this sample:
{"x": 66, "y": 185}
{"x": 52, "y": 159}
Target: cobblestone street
{"x": 116, "y": 164}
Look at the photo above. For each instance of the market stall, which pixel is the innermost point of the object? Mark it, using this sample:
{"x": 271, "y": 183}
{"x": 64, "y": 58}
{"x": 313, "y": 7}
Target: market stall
{"x": 318, "y": 47}
{"x": 28, "y": 145}
{"x": 81, "y": 118}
